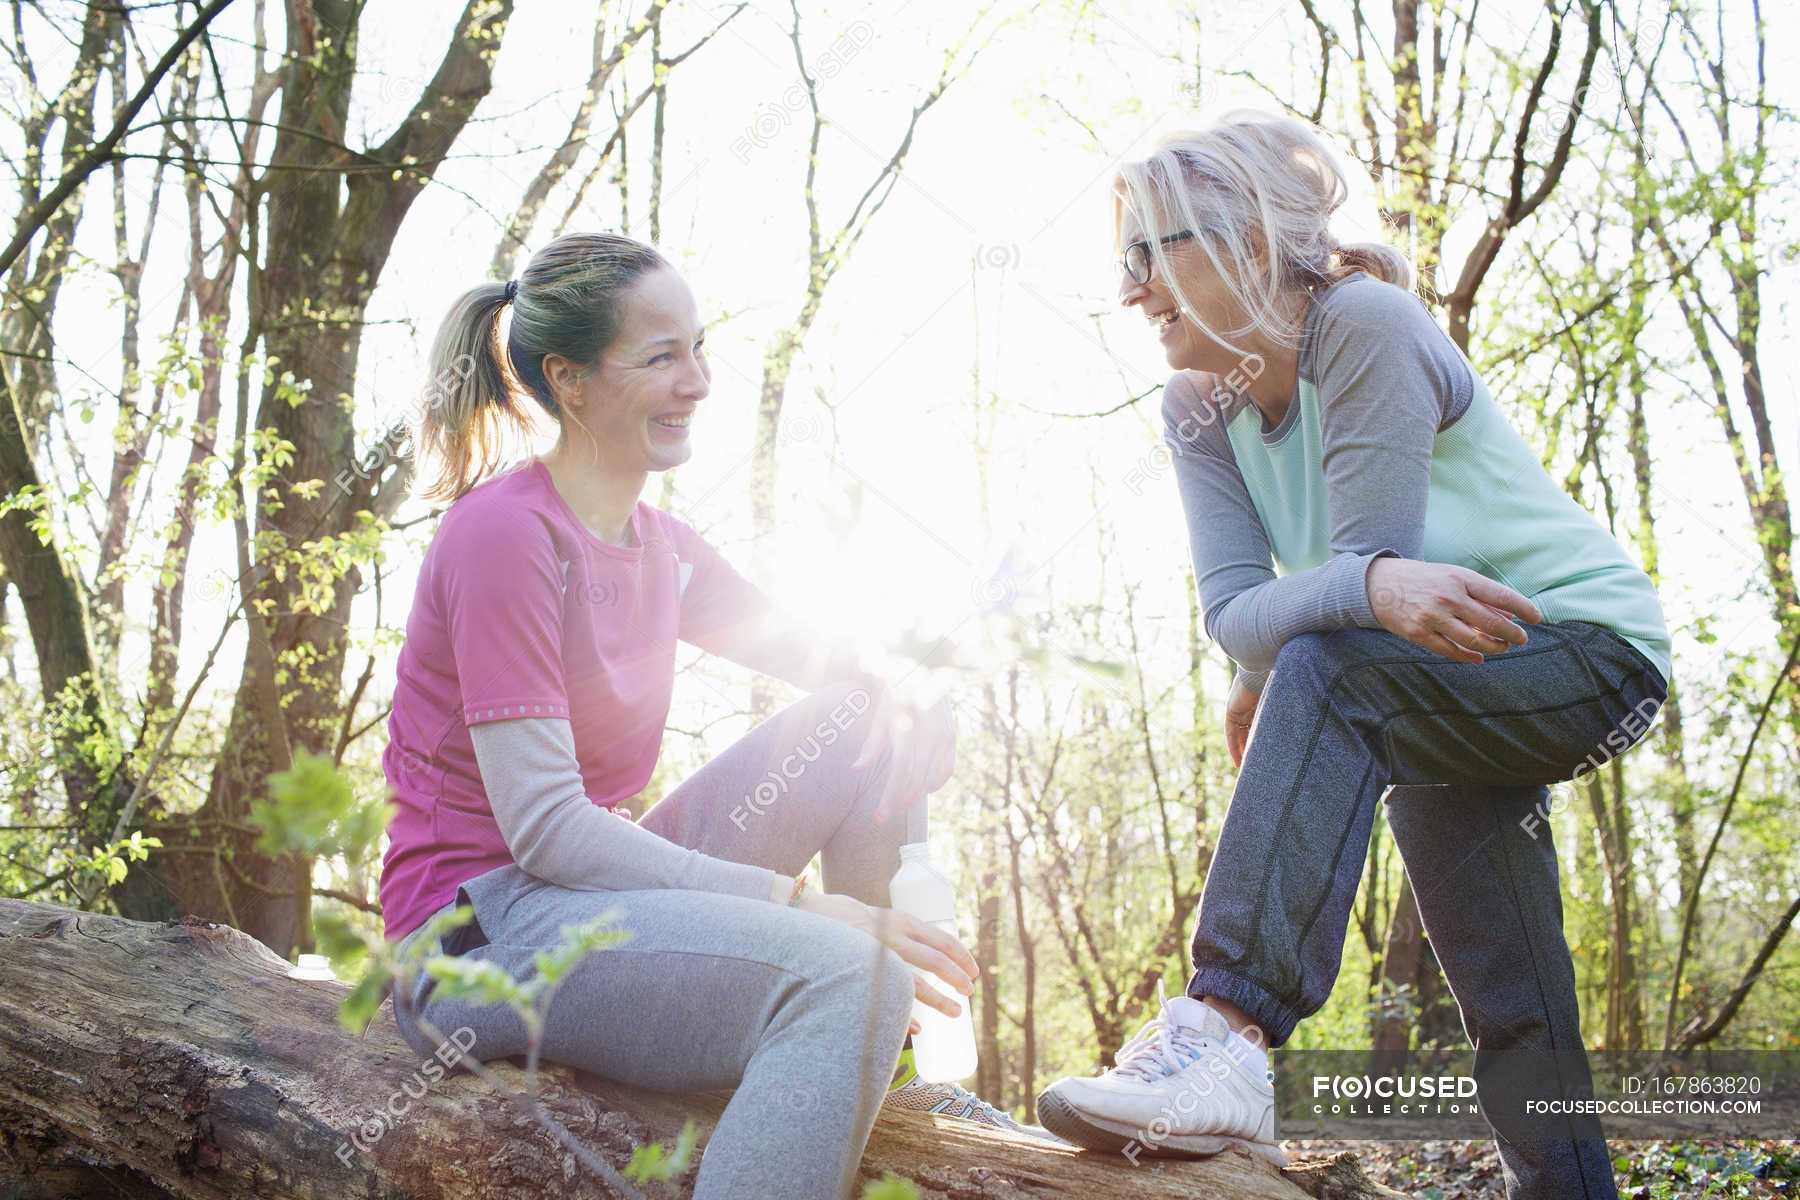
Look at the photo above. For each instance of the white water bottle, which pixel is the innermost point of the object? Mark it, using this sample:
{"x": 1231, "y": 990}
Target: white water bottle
{"x": 944, "y": 1047}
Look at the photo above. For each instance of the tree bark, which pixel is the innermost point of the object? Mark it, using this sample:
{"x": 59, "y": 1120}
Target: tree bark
{"x": 50, "y": 590}
{"x": 1400, "y": 968}
{"x": 331, "y": 223}
{"x": 179, "y": 1059}
{"x": 1615, "y": 848}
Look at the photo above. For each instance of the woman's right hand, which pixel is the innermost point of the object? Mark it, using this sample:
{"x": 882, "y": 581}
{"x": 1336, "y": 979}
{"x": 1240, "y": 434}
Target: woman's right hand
{"x": 1451, "y": 610}
{"x": 920, "y": 945}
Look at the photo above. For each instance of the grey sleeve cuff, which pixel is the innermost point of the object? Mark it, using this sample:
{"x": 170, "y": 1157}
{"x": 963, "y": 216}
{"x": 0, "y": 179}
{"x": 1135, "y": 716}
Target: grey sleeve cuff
{"x": 533, "y": 783}
{"x": 1254, "y": 624}
{"x": 1361, "y": 608}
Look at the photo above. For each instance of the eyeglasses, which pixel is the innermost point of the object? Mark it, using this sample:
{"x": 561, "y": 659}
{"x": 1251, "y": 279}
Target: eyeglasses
{"x": 1137, "y": 262}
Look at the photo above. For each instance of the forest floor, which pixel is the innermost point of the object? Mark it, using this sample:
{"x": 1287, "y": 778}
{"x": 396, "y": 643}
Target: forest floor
{"x": 1658, "y": 1170}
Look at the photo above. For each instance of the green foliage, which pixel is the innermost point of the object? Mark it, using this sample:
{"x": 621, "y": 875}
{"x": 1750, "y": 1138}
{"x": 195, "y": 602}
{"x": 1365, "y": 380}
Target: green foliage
{"x": 321, "y": 564}
{"x": 891, "y": 1187}
{"x": 107, "y": 863}
{"x": 348, "y": 945}
{"x": 478, "y": 981}
{"x": 485, "y": 982}
{"x": 652, "y": 1163}
{"x": 578, "y": 941}
{"x": 458, "y": 977}
{"x": 312, "y": 810}
{"x": 1691, "y": 1170}
{"x": 34, "y": 501}
{"x": 364, "y": 1000}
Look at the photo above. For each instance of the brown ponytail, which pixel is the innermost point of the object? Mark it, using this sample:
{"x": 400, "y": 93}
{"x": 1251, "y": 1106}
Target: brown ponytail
{"x": 568, "y": 302}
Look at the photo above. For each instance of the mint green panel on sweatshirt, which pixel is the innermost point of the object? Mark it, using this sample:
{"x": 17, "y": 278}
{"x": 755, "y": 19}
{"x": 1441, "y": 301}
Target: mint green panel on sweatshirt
{"x": 1492, "y": 508}
{"x": 1286, "y": 481}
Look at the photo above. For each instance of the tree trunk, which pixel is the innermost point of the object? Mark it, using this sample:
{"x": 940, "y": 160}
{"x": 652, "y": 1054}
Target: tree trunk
{"x": 331, "y": 225}
{"x": 987, "y": 958}
{"x": 211, "y": 296}
{"x": 181, "y": 1061}
{"x": 50, "y": 591}
{"x": 1399, "y": 970}
{"x": 1615, "y": 848}
{"x": 1027, "y": 941}
{"x": 1637, "y": 440}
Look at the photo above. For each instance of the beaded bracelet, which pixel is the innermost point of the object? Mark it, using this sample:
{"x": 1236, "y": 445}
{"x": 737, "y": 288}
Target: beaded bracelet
{"x": 799, "y": 886}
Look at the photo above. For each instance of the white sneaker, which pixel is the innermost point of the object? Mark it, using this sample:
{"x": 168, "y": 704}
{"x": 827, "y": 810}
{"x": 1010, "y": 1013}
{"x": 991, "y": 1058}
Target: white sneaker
{"x": 1184, "y": 1087}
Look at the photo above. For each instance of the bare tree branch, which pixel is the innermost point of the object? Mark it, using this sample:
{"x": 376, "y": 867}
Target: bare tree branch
{"x": 101, "y": 150}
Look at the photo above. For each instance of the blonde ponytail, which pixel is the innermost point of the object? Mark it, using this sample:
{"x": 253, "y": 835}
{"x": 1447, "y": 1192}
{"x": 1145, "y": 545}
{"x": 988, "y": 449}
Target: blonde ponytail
{"x": 1379, "y": 259}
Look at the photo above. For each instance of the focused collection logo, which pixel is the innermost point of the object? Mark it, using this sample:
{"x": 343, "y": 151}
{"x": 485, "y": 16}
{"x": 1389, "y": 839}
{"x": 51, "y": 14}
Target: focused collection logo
{"x": 1393, "y": 1095}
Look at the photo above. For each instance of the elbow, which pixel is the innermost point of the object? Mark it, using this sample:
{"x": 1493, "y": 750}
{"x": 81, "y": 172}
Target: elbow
{"x": 528, "y": 855}
{"x": 531, "y": 848}
{"x": 1251, "y": 657}
{"x": 1239, "y": 640}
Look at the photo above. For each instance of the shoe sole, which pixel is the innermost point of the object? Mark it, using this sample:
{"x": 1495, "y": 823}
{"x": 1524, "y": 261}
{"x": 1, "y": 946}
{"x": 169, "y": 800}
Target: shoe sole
{"x": 1067, "y": 1122}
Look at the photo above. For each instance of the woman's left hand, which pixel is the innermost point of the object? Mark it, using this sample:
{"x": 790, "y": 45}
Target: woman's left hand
{"x": 923, "y": 741}
{"x": 1240, "y": 712}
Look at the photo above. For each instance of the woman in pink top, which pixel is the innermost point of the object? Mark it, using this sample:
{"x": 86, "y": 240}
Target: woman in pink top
{"x": 532, "y": 691}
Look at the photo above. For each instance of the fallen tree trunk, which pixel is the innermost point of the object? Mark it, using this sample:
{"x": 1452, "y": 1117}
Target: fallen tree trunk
{"x": 177, "y": 1059}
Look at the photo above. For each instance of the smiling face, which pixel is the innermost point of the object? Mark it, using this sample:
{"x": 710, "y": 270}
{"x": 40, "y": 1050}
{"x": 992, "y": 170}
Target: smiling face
{"x": 638, "y": 401}
{"x": 1186, "y": 344}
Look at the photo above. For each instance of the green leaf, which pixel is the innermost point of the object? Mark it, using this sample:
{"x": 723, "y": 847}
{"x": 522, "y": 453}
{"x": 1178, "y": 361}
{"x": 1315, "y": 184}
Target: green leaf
{"x": 891, "y": 1187}
{"x": 311, "y": 809}
{"x": 364, "y": 1001}
{"x": 647, "y": 1162}
{"x": 578, "y": 942}
{"x": 338, "y": 939}
{"x": 476, "y": 980}
{"x": 651, "y": 1162}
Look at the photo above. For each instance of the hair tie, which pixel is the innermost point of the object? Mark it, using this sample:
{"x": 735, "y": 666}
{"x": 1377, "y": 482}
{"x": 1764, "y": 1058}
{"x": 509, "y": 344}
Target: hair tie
{"x": 512, "y": 289}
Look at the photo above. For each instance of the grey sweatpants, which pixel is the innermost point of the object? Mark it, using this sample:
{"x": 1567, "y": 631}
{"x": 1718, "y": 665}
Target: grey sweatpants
{"x": 802, "y": 1015}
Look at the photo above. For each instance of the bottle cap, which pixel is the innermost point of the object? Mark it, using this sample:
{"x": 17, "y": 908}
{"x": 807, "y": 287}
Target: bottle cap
{"x": 312, "y": 966}
{"x": 915, "y": 852}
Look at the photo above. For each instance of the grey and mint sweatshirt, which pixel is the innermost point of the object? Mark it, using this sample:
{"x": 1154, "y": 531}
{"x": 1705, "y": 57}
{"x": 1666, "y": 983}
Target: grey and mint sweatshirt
{"x": 1390, "y": 446}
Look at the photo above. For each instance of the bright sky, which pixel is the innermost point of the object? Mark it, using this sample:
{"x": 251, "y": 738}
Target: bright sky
{"x": 992, "y": 255}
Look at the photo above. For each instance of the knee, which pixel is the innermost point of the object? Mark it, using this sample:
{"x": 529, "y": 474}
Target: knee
{"x": 1507, "y": 1033}
{"x": 1305, "y": 654}
{"x": 1302, "y": 666}
{"x": 873, "y": 988}
{"x": 826, "y": 725}
{"x": 836, "y": 712}
{"x": 1317, "y": 661}
{"x": 895, "y": 995}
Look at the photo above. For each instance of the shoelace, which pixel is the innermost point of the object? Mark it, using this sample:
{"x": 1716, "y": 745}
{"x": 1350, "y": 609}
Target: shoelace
{"x": 1161, "y": 1047}
{"x": 972, "y": 1103}
{"x": 968, "y": 1104}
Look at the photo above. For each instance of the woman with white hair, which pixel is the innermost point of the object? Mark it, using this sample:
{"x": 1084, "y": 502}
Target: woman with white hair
{"x": 1448, "y": 629}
